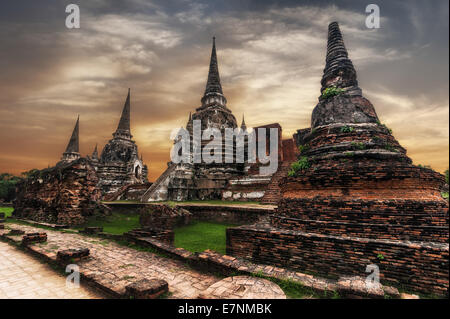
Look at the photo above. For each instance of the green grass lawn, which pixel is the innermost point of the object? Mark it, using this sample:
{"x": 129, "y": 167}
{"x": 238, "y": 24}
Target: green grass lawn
{"x": 7, "y": 210}
{"x": 117, "y": 223}
{"x": 200, "y": 236}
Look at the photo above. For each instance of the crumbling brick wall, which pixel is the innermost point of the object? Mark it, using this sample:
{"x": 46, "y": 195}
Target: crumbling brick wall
{"x": 160, "y": 216}
{"x": 64, "y": 194}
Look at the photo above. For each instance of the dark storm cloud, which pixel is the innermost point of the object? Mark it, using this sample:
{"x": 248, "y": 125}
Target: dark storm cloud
{"x": 271, "y": 56}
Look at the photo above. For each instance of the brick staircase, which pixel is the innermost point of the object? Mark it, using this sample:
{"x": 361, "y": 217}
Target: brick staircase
{"x": 273, "y": 191}
{"x": 115, "y": 195}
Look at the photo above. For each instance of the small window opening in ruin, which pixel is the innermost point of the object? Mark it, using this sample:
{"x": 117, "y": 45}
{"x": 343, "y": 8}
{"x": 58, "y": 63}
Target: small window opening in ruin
{"x": 137, "y": 171}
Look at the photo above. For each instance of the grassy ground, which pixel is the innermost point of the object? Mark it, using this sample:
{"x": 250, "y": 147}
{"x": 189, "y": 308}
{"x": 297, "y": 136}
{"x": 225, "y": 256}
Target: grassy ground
{"x": 200, "y": 236}
{"x": 6, "y": 210}
{"x": 117, "y": 223}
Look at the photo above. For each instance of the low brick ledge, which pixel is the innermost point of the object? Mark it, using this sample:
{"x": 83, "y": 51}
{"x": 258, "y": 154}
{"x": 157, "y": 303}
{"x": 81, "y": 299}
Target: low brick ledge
{"x": 255, "y": 209}
{"x": 405, "y": 243}
{"x": 212, "y": 261}
{"x": 35, "y": 223}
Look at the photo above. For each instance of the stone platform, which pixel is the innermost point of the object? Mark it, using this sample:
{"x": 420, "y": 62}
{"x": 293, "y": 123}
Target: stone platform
{"x": 243, "y": 287}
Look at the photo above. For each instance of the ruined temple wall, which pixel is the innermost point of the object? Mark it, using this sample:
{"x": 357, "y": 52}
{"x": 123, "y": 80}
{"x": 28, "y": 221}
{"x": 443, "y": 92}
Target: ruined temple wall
{"x": 416, "y": 266}
{"x": 65, "y": 194}
{"x": 249, "y": 188}
{"x": 227, "y": 214}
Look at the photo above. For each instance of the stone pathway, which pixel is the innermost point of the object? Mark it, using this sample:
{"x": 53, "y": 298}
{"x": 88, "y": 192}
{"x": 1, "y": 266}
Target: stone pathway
{"x": 23, "y": 277}
{"x": 244, "y": 287}
{"x": 116, "y": 266}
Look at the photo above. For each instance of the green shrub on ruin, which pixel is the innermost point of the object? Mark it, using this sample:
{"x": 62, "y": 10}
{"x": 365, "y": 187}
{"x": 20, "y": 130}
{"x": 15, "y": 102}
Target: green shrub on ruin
{"x": 332, "y": 91}
{"x": 303, "y": 148}
{"x": 347, "y": 129}
{"x": 358, "y": 145}
{"x": 301, "y": 165}
{"x": 349, "y": 154}
{"x": 384, "y": 126}
{"x": 390, "y": 148}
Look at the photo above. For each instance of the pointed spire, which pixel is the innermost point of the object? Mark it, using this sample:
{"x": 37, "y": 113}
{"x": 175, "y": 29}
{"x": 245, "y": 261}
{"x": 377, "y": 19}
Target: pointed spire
{"x": 339, "y": 70}
{"x": 213, "y": 93}
{"x": 72, "y": 149}
{"x": 95, "y": 152}
{"x": 73, "y": 145}
{"x": 189, "y": 124}
{"x": 243, "y": 126}
{"x": 123, "y": 129}
{"x": 213, "y": 84}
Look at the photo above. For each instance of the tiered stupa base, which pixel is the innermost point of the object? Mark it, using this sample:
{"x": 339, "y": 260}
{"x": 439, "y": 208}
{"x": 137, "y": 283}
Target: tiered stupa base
{"x": 360, "y": 202}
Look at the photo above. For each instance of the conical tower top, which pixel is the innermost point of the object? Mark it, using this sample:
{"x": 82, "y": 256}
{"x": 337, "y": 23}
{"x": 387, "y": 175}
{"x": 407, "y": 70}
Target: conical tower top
{"x": 73, "y": 146}
{"x": 189, "y": 123}
{"x": 95, "y": 152}
{"x": 213, "y": 91}
{"x": 339, "y": 71}
{"x": 123, "y": 129}
{"x": 72, "y": 149}
{"x": 213, "y": 84}
{"x": 341, "y": 100}
{"x": 243, "y": 126}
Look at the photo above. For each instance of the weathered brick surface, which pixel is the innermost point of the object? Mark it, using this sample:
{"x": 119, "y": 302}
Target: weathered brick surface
{"x": 160, "y": 216}
{"x": 64, "y": 194}
{"x": 238, "y": 215}
{"x": 34, "y": 238}
{"x": 67, "y": 255}
{"x": 360, "y": 198}
{"x": 112, "y": 267}
{"x": 147, "y": 288}
{"x": 164, "y": 235}
{"x": 419, "y": 266}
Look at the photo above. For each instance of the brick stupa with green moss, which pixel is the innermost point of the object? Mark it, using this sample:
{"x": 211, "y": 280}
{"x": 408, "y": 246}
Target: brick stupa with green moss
{"x": 354, "y": 198}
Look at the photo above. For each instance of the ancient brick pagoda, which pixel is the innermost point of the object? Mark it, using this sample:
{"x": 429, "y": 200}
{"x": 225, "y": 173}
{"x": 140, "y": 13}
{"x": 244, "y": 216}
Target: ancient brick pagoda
{"x": 206, "y": 181}
{"x": 356, "y": 199}
{"x": 71, "y": 191}
{"x": 119, "y": 164}
{"x": 227, "y": 181}
{"x": 66, "y": 193}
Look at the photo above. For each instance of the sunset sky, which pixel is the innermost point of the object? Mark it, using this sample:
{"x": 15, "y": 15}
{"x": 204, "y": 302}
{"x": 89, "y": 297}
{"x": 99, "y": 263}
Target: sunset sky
{"x": 271, "y": 56}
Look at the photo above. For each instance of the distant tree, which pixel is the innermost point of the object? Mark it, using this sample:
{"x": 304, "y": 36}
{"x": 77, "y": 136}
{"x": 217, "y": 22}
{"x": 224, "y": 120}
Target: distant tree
{"x": 446, "y": 176}
{"x": 8, "y": 186}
